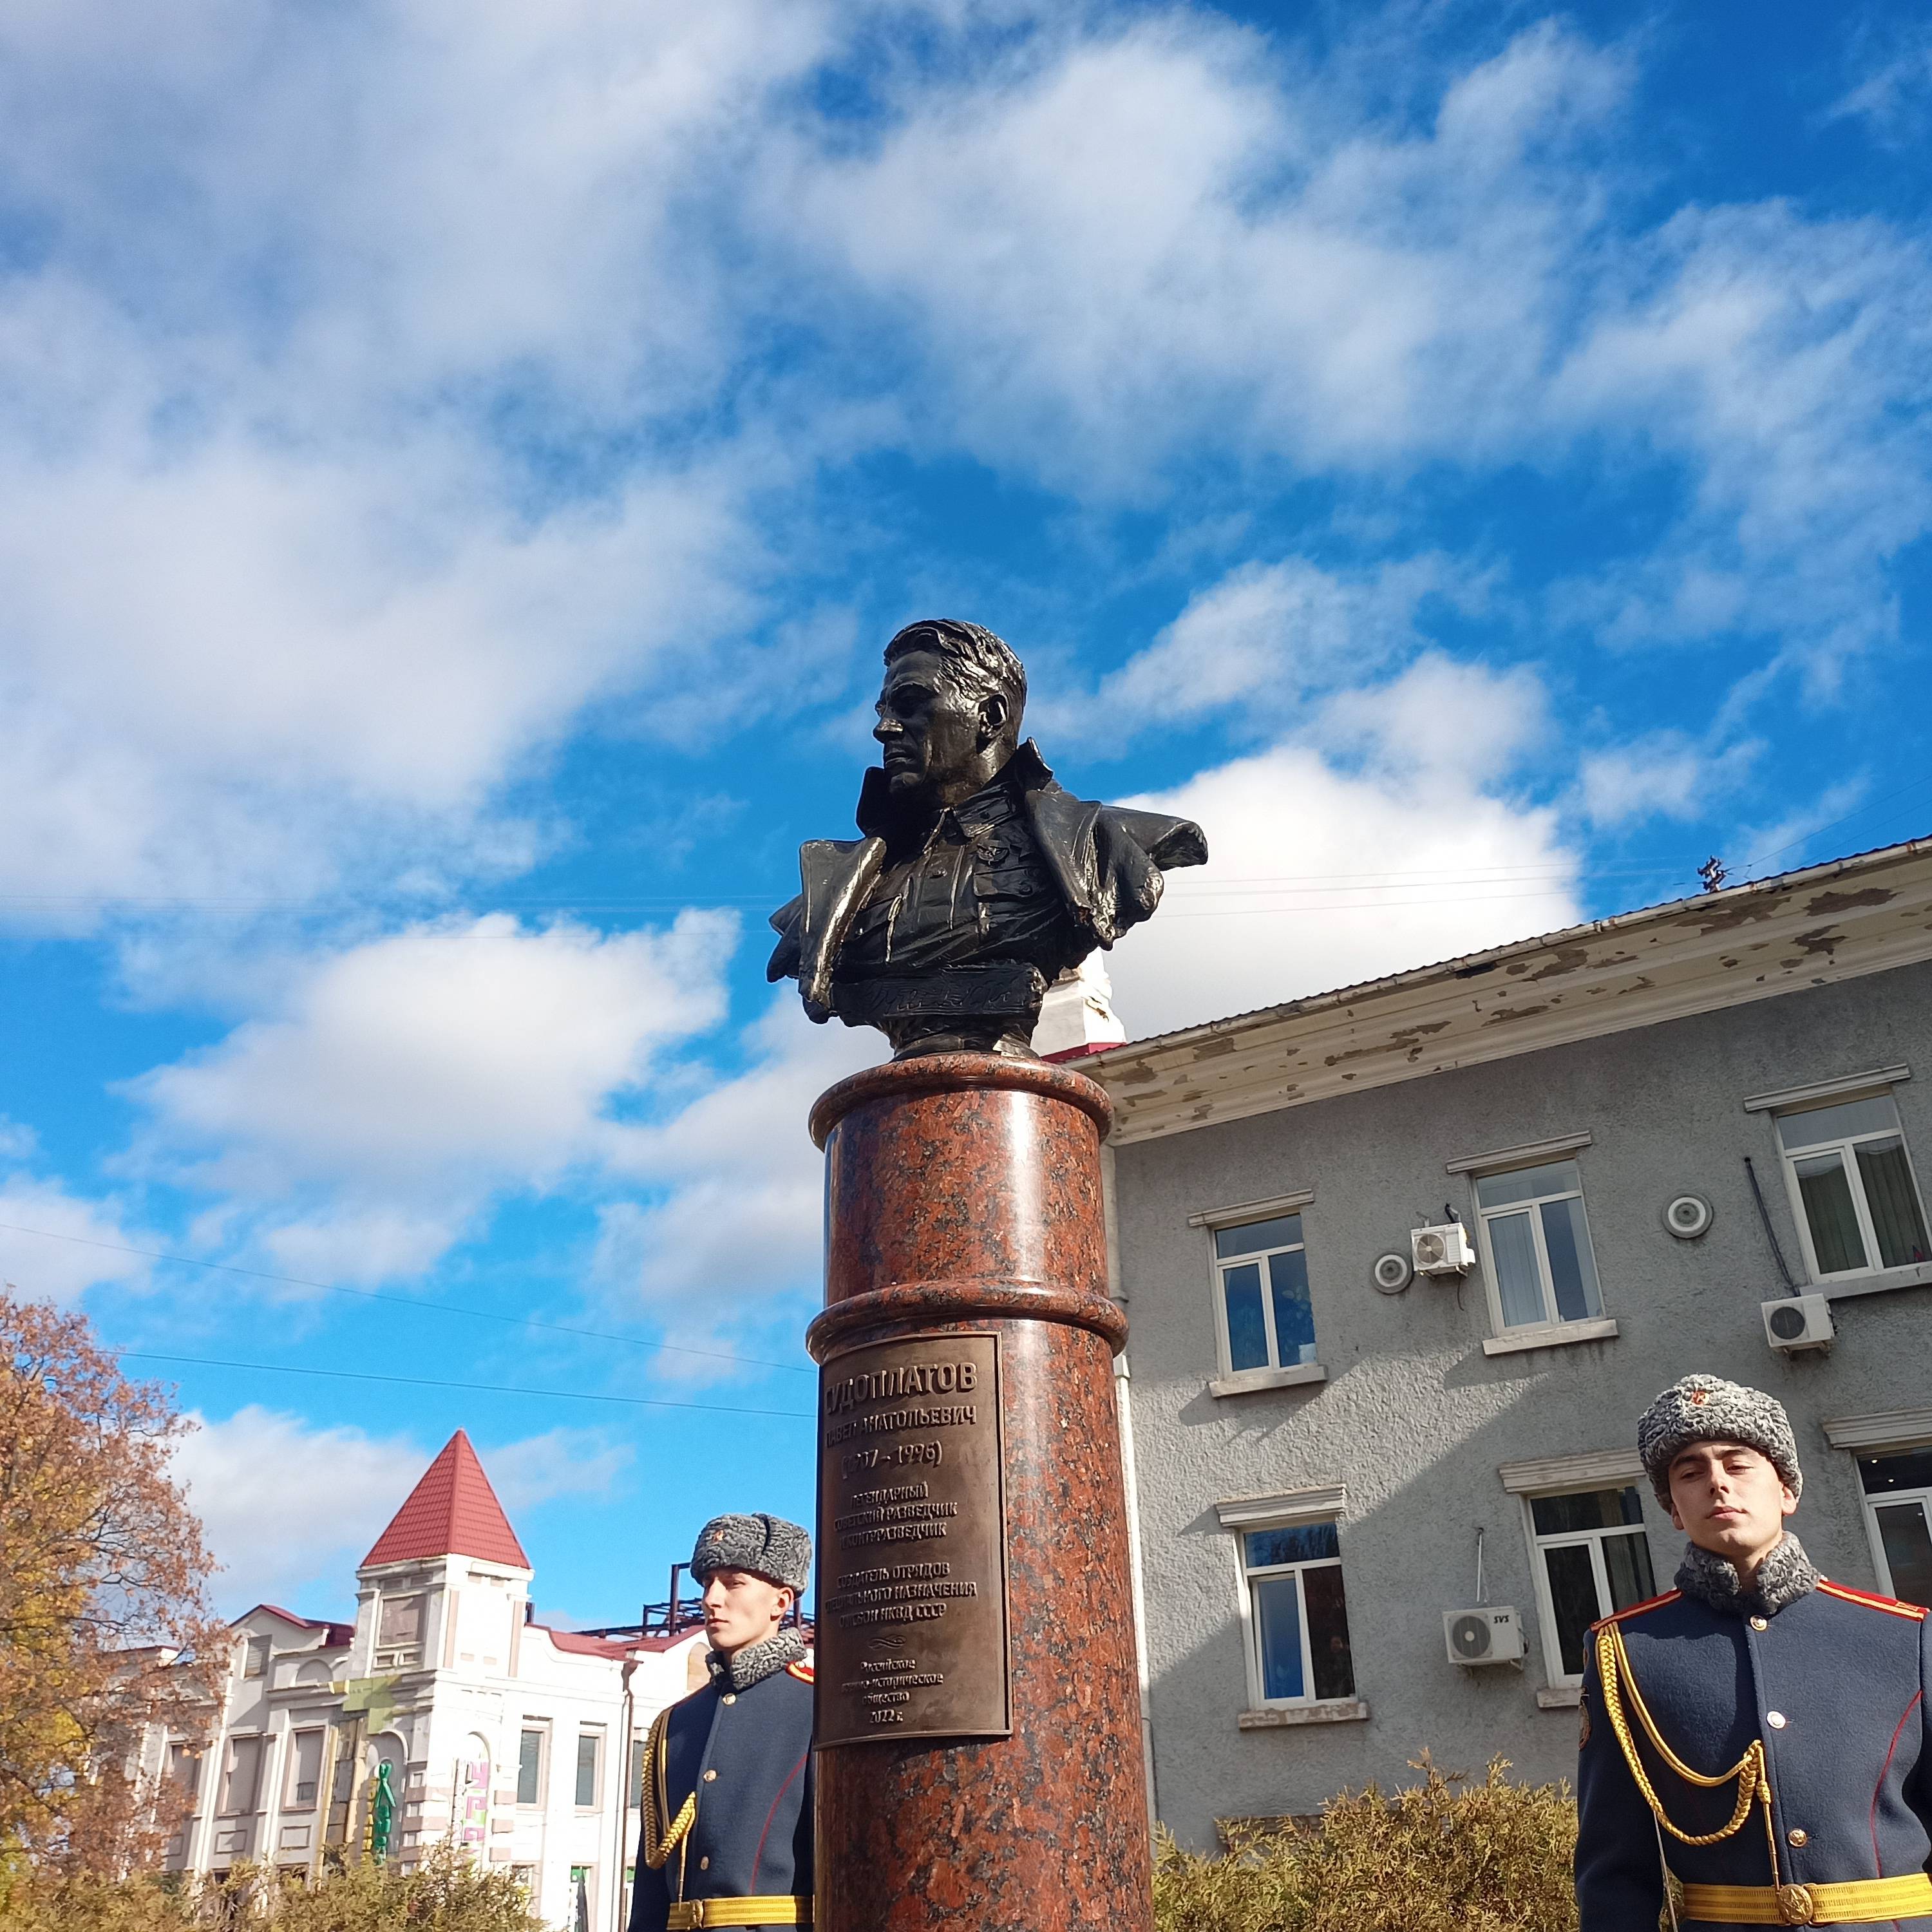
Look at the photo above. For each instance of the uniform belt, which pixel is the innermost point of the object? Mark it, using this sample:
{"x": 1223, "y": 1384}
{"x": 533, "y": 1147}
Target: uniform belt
{"x": 1862, "y": 1901}
{"x": 777, "y": 1908}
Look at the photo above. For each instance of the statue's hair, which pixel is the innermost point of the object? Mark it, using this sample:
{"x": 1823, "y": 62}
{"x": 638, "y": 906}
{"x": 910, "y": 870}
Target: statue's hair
{"x": 973, "y": 657}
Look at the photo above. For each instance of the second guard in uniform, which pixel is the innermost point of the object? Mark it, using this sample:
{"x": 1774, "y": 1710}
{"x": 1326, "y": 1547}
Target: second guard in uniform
{"x": 1760, "y": 1730}
{"x": 728, "y": 1798}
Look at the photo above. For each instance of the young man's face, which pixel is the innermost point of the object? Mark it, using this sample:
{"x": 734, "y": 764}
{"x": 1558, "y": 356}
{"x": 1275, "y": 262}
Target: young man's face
{"x": 742, "y": 1608}
{"x": 1728, "y": 1499}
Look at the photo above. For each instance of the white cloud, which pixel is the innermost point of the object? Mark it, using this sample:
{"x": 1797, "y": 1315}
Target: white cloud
{"x": 1321, "y": 877}
{"x": 560, "y": 1462}
{"x": 1894, "y": 98}
{"x": 401, "y": 1082}
{"x": 389, "y": 390}
{"x": 73, "y": 1247}
{"x": 290, "y": 594}
{"x": 1664, "y": 775}
{"x": 291, "y": 1508}
{"x": 735, "y": 1221}
{"x": 1154, "y": 241}
{"x": 1122, "y": 241}
{"x": 1778, "y": 357}
{"x": 1258, "y": 642}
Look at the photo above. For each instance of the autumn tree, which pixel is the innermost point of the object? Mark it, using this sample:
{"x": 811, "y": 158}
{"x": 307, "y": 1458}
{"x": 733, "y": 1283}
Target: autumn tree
{"x": 105, "y": 1630}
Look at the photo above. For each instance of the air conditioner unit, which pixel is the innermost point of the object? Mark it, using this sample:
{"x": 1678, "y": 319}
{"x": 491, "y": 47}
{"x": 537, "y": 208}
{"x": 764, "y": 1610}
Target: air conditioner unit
{"x": 1798, "y": 1321}
{"x": 1489, "y": 1635}
{"x": 1443, "y": 1250}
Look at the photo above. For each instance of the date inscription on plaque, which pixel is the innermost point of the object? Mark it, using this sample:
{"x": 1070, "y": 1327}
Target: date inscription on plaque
{"x": 912, "y": 1540}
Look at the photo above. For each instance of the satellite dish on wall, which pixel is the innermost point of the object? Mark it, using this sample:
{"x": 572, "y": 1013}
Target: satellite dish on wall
{"x": 1392, "y": 1273}
{"x": 1688, "y": 1215}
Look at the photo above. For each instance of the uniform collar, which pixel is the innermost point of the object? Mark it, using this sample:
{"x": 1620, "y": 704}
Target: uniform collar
{"x": 756, "y": 1661}
{"x": 1783, "y": 1577}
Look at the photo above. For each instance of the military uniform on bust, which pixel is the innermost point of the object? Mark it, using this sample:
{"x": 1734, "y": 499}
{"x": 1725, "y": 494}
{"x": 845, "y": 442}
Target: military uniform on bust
{"x": 727, "y": 1797}
{"x": 1769, "y": 1743}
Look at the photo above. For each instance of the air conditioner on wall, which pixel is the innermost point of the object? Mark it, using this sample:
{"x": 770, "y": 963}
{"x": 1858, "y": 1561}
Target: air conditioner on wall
{"x": 1491, "y": 1635}
{"x": 1443, "y": 1250}
{"x": 1798, "y": 1321}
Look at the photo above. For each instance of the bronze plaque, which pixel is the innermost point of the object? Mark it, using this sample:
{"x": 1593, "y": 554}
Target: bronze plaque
{"x": 912, "y": 1543}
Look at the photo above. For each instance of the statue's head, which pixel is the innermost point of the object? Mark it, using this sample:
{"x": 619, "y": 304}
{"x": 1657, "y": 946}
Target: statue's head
{"x": 949, "y": 710}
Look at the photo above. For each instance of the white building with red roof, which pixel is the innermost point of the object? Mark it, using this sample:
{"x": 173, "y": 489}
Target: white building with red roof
{"x": 515, "y": 1739}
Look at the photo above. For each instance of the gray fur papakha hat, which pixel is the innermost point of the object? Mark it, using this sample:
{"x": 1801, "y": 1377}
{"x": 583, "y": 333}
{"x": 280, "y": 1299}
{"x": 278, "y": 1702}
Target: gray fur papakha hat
{"x": 1707, "y": 1408}
{"x": 767, "y": 1546}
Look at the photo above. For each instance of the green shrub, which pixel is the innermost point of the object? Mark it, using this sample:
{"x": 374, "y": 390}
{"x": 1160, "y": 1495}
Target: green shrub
{"x": 1443, "y": 1855}
{"x": 446, "y": 1893}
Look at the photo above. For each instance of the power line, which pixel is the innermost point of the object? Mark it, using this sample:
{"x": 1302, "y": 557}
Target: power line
{"x": 477, "y": 1388}
{"x": 407, "y": 1301}
{"x": 1890, "y": 798}
{"x": 772, "y": 895}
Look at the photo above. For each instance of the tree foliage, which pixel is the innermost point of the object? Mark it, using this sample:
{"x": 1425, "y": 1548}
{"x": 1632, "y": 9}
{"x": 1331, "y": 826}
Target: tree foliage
{"x": 446, "y": 1892}
{"x": 104, "y": 1626}
{"x": 1443, "y": 1855}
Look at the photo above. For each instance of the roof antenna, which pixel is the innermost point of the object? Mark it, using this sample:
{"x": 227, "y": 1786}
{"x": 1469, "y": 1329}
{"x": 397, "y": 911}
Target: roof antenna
{"x": 1714, "y": 872}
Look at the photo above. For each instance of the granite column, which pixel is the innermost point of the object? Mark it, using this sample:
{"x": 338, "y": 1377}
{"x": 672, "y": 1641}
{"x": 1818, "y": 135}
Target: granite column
{"x": 980, "y": 1755}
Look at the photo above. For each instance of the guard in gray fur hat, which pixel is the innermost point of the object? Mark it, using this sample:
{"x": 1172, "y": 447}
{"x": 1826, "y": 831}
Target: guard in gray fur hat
{"x": 728, "y": 1798}
{"x": 1759, "y": 1730}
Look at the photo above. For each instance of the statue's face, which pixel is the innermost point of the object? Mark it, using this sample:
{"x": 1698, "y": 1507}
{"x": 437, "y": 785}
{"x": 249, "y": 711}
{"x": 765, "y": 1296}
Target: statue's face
{"x": 933, "y": 732}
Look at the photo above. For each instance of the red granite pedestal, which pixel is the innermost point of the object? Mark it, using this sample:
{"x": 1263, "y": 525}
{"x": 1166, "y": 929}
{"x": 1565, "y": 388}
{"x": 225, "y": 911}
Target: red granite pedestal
{"x": 963, "y": 1197}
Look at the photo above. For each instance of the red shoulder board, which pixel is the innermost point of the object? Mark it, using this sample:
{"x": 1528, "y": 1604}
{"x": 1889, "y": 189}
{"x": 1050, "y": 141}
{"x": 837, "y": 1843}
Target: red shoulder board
{"x": 802, "y": 1671}
{"x": 1915, "y": 1612}
{"x": 1637, "y": 1610}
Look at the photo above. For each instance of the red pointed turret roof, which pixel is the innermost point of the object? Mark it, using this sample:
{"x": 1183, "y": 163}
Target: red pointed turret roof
{"x": 452, "y": 1512}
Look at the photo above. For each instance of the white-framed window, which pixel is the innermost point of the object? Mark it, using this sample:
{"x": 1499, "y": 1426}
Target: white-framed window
{"x": 1297, "y": 1616}
{"x": 1261, "y": 1294}
{"x": 583, "y": 1897}
{"x": 398, "y": 1631}
{"x": 185, "y": 1770}
{"x": 1851, "y": 1187}
{"x": 255, "y": 1655}
{"x": 531, "y": 1742}
{"x": 304, "y": 1770}
{"x": 636, "y": 1770}
{"x": 1592, "y": 1556}
{"x": 589, "y": 1759}
{"x": 1536, "y": 1245}
{"x": 1897, "y": 1486}
{"x": 242, "y": 1778}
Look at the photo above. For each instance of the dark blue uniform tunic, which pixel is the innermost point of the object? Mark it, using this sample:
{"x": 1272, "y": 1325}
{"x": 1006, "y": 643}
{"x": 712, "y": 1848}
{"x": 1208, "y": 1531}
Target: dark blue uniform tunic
{"x": 1834, "y": 1684}
{"x": 746, "y": 1756}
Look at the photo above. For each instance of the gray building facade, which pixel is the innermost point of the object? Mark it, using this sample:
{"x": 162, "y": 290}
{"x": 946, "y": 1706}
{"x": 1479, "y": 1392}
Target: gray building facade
{"x": 1325, "y": 1465}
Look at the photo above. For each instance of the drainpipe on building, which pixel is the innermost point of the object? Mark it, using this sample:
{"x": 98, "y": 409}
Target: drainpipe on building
{"x": 618, "y": 1890}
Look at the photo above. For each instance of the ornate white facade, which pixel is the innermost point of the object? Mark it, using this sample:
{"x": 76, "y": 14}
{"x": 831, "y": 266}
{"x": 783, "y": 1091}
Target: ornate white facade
{"x": 513, "y": 1739}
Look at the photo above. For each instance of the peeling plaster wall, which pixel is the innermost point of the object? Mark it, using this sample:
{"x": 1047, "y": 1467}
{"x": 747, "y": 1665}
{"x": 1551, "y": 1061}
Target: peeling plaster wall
{"x": 1414, "y": 1418}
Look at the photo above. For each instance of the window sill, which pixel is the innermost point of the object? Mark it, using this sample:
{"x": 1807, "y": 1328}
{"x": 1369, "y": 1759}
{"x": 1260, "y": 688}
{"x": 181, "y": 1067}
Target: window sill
{"x": 1556, "y": 1335}
{"x": 1559, "y": 1697}
{"x": 1276, "y": 1716}
{"x": 1245, "y": 1381}
{"x": 1881, "y": 1281}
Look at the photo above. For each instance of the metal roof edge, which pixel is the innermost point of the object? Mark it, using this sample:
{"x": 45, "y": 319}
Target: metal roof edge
{"x": 1108, "y": 1066}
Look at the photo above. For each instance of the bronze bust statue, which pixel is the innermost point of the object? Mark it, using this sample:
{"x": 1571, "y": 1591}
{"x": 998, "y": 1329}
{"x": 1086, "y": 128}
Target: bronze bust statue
{"x": 976, "y": 879}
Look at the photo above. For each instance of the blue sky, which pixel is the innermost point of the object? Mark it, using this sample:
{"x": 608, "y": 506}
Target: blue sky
{"x": 461, "y": 462}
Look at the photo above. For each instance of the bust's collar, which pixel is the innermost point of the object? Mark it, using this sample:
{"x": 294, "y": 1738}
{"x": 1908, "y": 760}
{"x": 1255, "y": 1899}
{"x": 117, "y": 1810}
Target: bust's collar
{"x": 1025, "y": 771}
